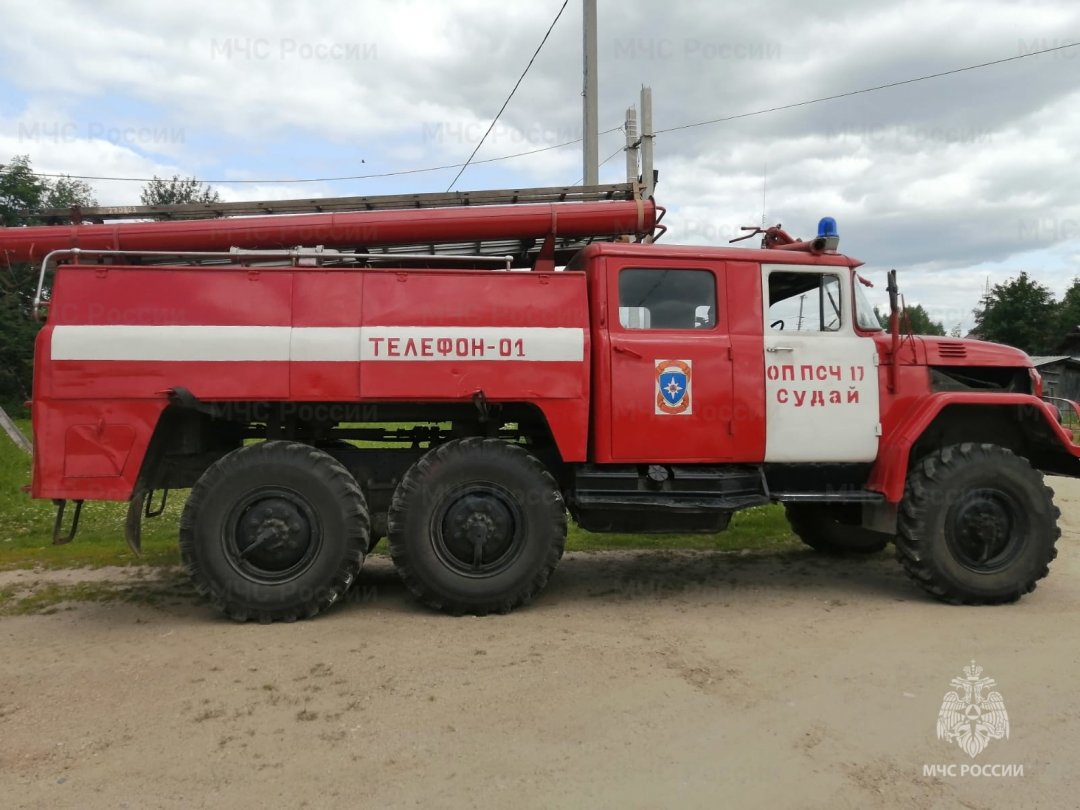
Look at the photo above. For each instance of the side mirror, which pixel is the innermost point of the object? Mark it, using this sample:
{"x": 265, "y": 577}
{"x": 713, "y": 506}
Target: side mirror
{"x": 894, "y": 295}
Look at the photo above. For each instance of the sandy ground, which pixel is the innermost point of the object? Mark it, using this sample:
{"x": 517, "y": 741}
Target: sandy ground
{"x": 636, "y": 680}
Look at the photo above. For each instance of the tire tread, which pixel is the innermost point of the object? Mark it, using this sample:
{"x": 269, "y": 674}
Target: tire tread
{"x": 925, "y": 475}
{"x": 411, "y": 484}
{"x": 236, "y": 463}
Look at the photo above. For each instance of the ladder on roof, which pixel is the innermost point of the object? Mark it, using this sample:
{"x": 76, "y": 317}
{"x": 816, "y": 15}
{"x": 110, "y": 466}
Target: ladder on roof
{"x": 522, "y": 196}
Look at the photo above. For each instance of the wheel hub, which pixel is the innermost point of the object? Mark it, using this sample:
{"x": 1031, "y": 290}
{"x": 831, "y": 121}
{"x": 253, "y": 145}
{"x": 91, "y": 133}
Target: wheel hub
{"x": 477, "y": 532}
{"x": 273, "y": 536}
{"x": 983, "y": 530}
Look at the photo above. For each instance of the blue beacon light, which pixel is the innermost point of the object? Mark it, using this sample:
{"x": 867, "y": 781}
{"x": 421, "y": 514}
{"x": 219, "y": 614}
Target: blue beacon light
{"x": 826, "y": 229}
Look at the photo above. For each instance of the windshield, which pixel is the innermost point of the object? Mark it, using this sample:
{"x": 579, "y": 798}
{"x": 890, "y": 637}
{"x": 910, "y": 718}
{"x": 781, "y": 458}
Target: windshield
{"x": 864, "y": 310}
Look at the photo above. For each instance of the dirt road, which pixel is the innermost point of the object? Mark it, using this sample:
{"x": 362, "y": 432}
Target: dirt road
{"x": 637, "y": 680}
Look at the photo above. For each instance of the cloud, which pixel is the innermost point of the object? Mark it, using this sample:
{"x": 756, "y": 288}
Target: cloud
{"x": 949, "y": 180}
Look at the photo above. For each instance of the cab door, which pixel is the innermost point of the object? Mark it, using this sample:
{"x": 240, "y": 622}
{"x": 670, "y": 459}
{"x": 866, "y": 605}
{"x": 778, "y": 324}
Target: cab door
{"x": 821, "y": 381}
{"x": 670, "y": 360}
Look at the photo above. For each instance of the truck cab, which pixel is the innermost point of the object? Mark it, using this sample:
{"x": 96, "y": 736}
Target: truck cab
{"x": 706, "y": 357}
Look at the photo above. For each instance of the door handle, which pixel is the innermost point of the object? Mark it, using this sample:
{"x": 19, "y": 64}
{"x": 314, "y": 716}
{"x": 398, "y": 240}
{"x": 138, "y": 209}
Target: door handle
{"x": 624, "y": 350}
{"x": 775, "y": 349}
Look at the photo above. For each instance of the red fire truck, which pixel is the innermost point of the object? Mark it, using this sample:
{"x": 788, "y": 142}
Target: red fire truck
{"x": 457, "y": 373}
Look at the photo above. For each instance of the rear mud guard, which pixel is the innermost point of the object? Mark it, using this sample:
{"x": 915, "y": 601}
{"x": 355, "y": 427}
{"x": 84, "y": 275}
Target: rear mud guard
{"x": 58, "y": 538}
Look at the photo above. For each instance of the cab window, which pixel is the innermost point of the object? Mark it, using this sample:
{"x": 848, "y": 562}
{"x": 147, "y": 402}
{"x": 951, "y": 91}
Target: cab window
{"x": 667, "y": 299}
{"x": 804, "y": 302}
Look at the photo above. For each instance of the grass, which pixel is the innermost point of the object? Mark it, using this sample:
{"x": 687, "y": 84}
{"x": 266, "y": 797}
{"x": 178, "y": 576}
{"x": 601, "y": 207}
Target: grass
{"x": 43, "y": 597}
{"x": 47, "y": 598}
{"x": 26, "y": 529}
{"x": 26, "y": 525}
{"x": 761, "y": 527}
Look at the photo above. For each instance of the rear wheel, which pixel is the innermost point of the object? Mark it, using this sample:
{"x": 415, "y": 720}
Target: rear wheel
{"x": 477, "y": 526}
{"x": 833, "y": 528}
{"x": 274, "y": 531}
{"x": 977, "y": 525}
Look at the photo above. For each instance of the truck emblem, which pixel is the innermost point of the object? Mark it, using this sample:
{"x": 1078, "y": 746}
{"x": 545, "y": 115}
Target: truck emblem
{"x": 971, "y": 718}
{"x": 673, "y": 381}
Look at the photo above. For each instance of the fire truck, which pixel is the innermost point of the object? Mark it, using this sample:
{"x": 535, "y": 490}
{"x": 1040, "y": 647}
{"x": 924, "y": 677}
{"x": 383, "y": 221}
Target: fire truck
{"x": 460, "y": 373}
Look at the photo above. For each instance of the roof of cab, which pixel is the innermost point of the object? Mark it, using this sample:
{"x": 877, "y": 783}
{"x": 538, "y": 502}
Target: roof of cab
{"x": 707, "y": 253}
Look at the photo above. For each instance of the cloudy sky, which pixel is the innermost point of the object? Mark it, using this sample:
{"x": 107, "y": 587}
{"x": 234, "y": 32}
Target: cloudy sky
{"x": 951, "y": 180}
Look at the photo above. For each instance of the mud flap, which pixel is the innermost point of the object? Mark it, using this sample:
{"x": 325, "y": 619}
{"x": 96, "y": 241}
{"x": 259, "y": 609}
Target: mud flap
{"x": 139, "y": 507}
{"x": 133, "y": 522}
{"x": 880, "y": 517}
{"x": 63, "y": 539}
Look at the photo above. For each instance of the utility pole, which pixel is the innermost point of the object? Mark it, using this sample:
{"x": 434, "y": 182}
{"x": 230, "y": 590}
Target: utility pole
{"x": 647, "y": 178}
{"x": 632, "y": 170}
{"x": 591, "y": 137}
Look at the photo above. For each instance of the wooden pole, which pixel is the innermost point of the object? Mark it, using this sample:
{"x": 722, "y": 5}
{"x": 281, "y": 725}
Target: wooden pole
{"x": 13, "y": 432}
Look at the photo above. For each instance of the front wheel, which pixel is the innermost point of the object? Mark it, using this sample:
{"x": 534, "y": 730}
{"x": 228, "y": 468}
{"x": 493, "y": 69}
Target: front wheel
{"x": 977, "y": 525}
{"x": 476, "y": 526}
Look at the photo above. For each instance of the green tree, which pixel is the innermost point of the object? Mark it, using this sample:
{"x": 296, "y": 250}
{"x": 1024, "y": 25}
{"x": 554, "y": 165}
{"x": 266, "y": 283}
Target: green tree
{"x": 922, "y": 323}
{"x": 177, "y": 190}
{"x": 919, "y": 318}
{"x": 1021, "y": 313}
{"x": 65, "y": 192}
{"x": 17, "y": 332}
{"x": 1068, "y": 313}
{"x": 21, "y": 190}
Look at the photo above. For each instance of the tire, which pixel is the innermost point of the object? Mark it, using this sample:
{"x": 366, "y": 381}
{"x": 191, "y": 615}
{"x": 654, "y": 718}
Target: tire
{"x": 338, "y": 444}
{"x": 476, "y": 526}
{"x": 833, "y": 528}
{"x": 310, "y": 511}
{"x": 977, "y": 525}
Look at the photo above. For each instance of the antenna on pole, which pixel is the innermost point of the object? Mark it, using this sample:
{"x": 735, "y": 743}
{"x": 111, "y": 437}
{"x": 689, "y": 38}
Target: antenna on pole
{"x": 590, "y": 113}
{"x": 764, "y": 183}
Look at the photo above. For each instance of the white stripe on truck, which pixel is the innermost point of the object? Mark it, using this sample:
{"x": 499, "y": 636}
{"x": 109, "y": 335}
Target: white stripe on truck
{"x": 318, "y": 343}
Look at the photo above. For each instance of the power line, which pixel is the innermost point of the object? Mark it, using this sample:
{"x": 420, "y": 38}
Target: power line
{"x": 327, "y": 179}
{"x": 867, "y": 89}
{"x": 578, "y": 140}
{"x": 517, "y": 84}
{"x": 602, "y": 162}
